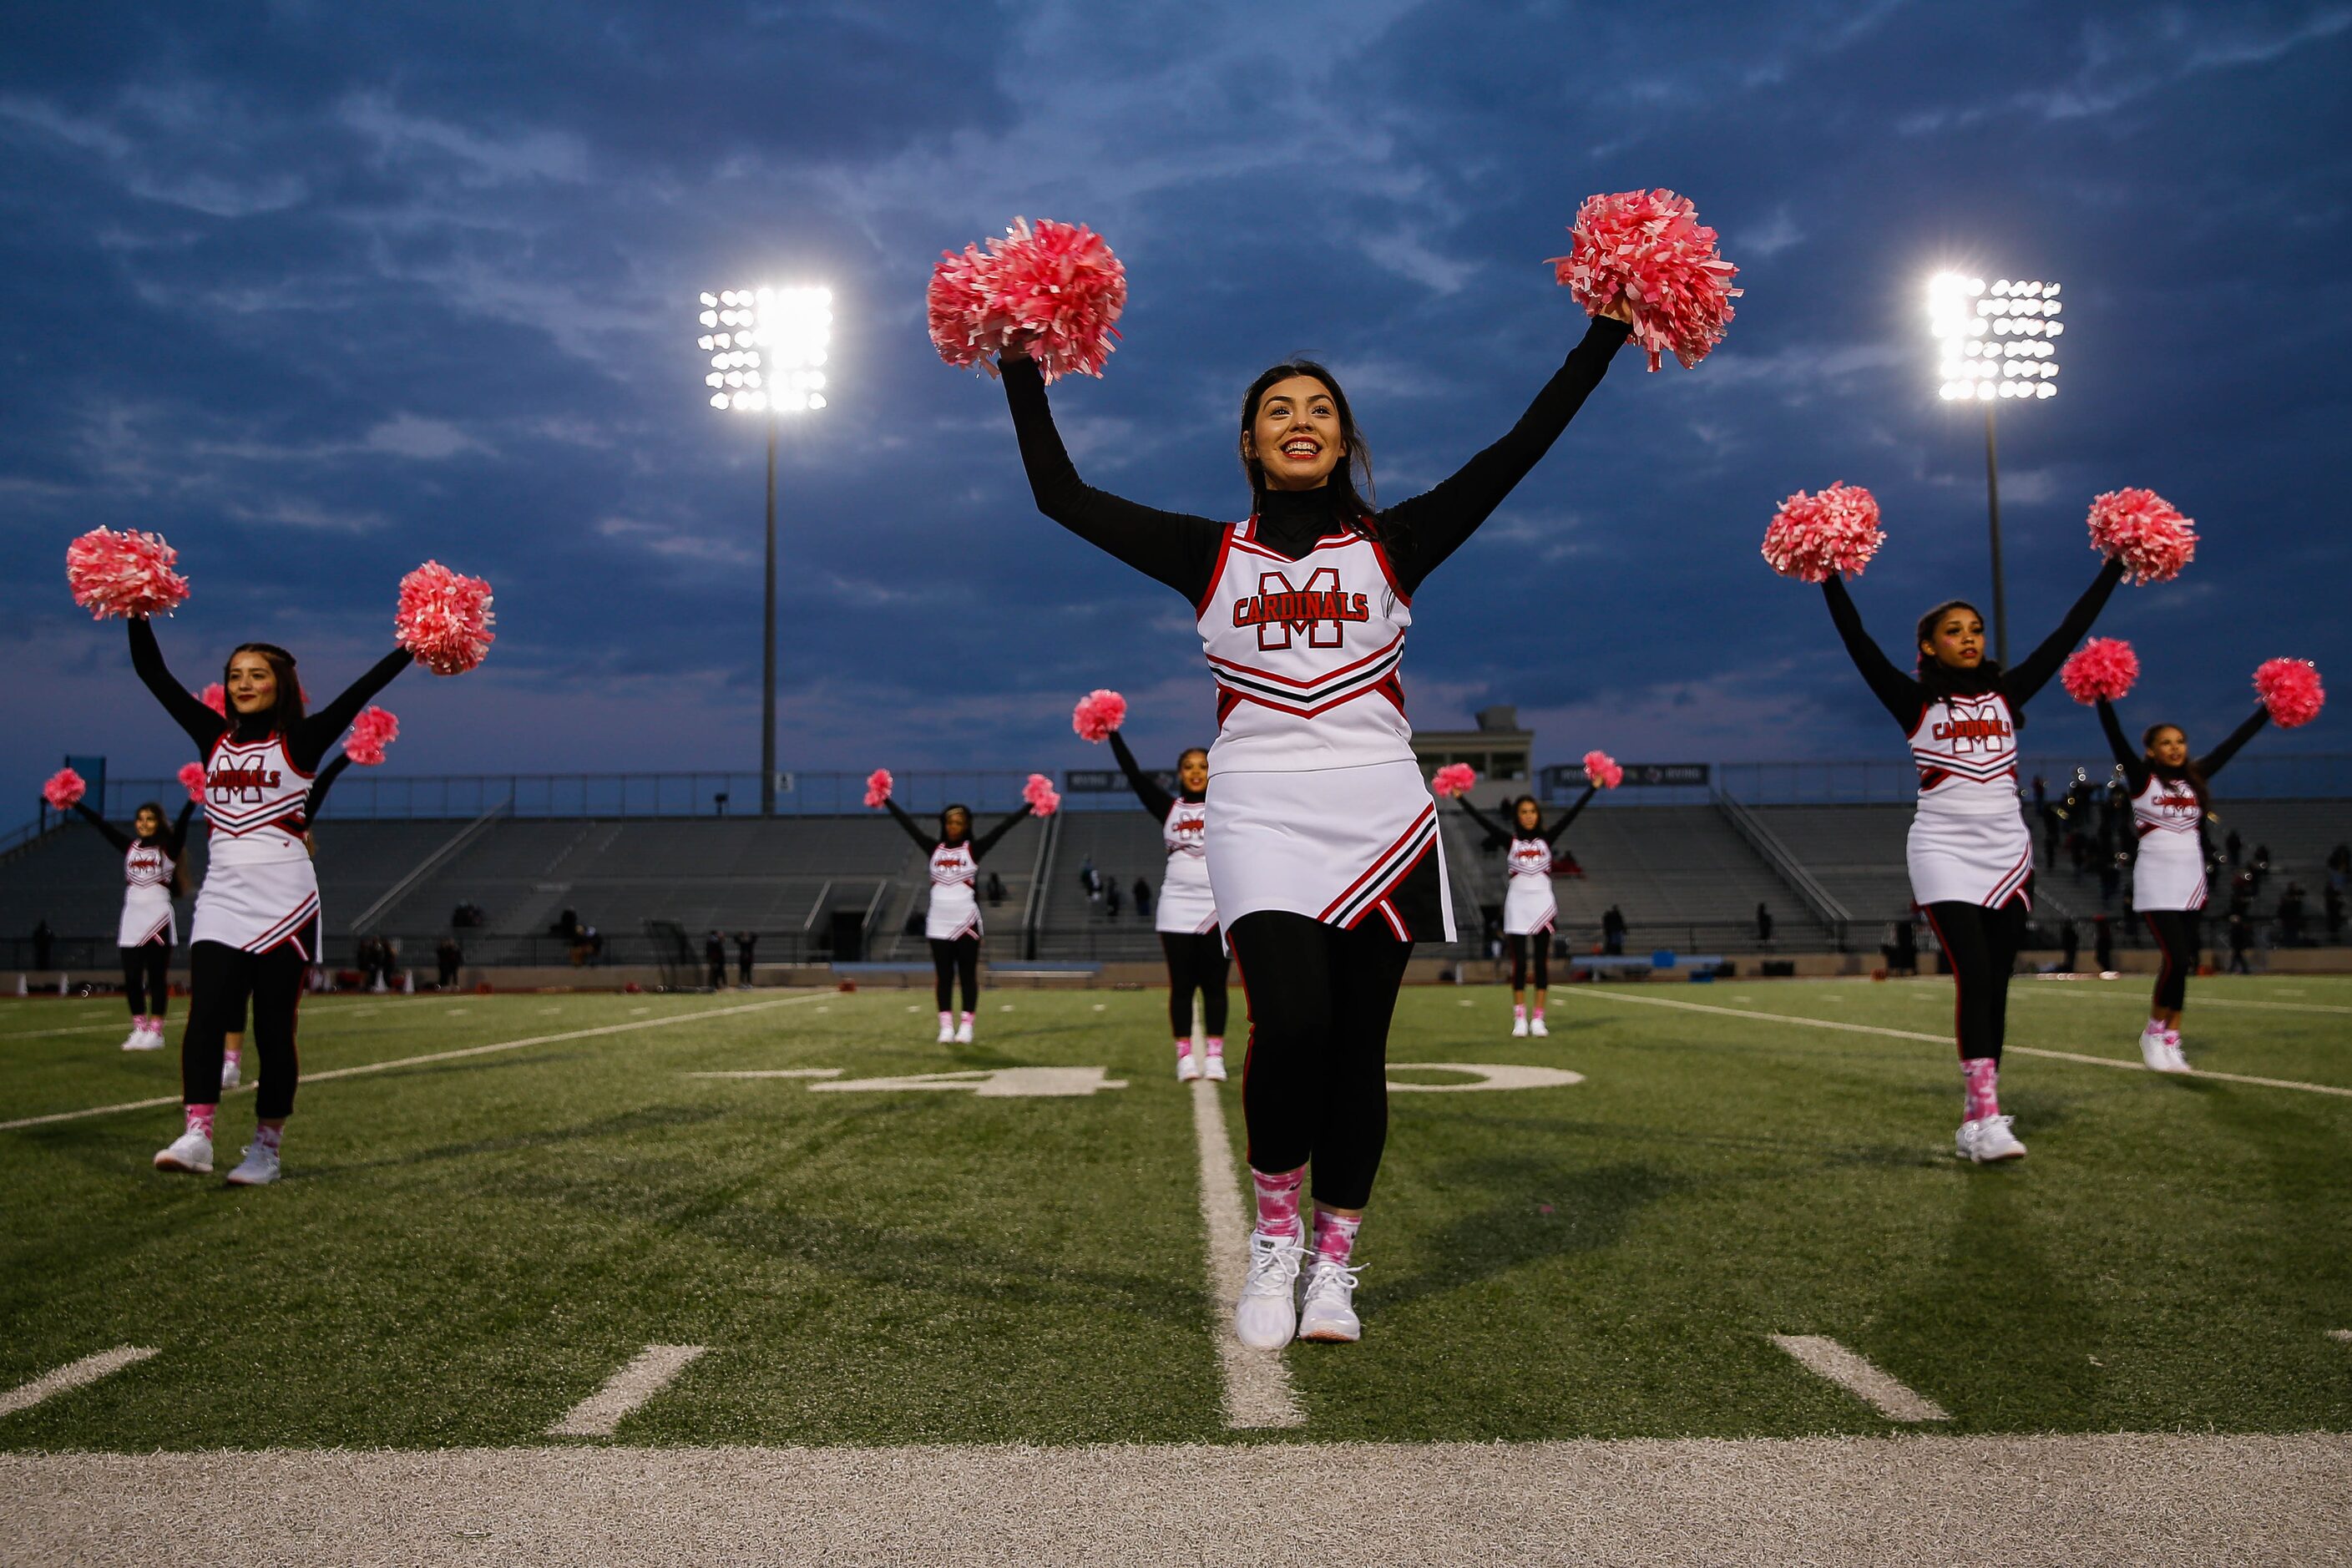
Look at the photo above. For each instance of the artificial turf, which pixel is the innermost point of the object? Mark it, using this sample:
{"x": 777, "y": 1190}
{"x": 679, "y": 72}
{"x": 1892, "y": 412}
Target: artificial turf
{"x": 463, "y": 1249}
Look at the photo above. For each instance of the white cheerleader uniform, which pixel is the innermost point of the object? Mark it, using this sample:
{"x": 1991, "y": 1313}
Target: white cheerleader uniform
{"x": 1529, "y": 905}
{"x": 1969, "y": 842}
{"x": 1320, "y": 806}
{"x": 2169, "y": 873}
{"x": 147, "y": 896}
{"x": 1187, "y": 905}
{"x": 955, "y": 898}
{"x": 260, "y": 889}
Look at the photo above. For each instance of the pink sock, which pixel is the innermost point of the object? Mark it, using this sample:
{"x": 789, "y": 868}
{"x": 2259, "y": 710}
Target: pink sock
{"x": 1183, "y": 1049}
{"x": 1216, "y": 1045}
{"x": 200, "y": 1119}
{"x": 228, "y": 1054}
{"x": 1981, "y": 1075}
{"x": 268, "y": 1137}
{"x": 947, "y": 1020}
{"x": 1278, "y": 1201}
{"x": 1518, "y": 1011}
{"x": 1540, "y": 1011}
{"x": 1335, "y": 1236}
{"x": 967, "y": 1020}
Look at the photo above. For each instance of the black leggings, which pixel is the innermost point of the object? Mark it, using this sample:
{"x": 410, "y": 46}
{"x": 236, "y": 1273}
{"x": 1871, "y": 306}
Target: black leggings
{"x": 1982, "y": 945}
{"x": 1315, "y": 1084}
{"x": 220, "y": 979}
{"x": 2176, "y": 938}
{"x": 1542, "y": 943}
{"x": 146, "y": 978}
{"x": 954, "y": 961}
{"x": 1195, "y": 963}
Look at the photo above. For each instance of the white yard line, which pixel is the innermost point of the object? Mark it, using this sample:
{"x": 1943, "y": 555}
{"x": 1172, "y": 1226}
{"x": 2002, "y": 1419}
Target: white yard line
{"x": 2344, "y": 1334}
{"x": 112, "y": 1025}
{"x": 1857, "y": 1377}
{"x": 2197, "y": 998}
{"x": 310, "y": 1078}
{"x": 775, "y": 1072}
{"x": 600, "y": 1414}
{"x": 1587, "y": 993}
{"x": 73, "y": 1375}
{"x": 1258, "y": 1385}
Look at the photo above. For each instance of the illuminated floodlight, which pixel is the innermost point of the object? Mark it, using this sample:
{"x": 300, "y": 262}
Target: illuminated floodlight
{"x": 1993, "y": 340}
{"x": 773, "y": 349}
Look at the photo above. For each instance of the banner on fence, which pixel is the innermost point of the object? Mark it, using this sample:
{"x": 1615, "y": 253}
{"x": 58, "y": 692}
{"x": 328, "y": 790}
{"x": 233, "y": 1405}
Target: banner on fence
{"x": 1569, "y": 777}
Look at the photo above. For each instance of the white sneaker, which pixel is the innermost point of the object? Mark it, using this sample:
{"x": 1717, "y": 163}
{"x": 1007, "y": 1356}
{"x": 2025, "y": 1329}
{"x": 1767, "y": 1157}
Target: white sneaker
{"x": 2152, "y": 1051}
{"x": 1988, "y": 1138}
{"x": 258, "y": 1169}
{"x": 1519, "y": 1027}
{"x": 191, "y": 1152}
{"x": 1329, "y": 1313}
{"x": 1536, "y": 1027}
{"x": 1188, "y": 1066}
{"x": 2176, "y": 1059}
{"x": 231, "y": 1074}
{"x": 963, "y": 1033}
{"x": 1213, "y": 1069}
{"x": 1266, "y": 1315}
{"x": 137, "y": 1039}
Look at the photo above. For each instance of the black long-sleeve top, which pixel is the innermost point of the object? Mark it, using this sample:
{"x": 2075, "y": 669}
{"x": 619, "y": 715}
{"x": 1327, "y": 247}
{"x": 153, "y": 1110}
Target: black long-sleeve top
{"x": 172, "y": 840}
{"x": 1903, "y": 696}
{"x": 1180, "y": 550}
{"x": 928, "y": 842}
{"x": 2138, "y": 766}
{"x": 322, "y": 783}
{"x": 311, "y": 737}
{"x": 1156, "y": 799}
{"x": 1499, "y": 834}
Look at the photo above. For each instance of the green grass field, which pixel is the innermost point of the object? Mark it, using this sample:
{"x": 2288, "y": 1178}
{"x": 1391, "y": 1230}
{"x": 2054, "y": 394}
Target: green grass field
{"x": 465, "y": 1247}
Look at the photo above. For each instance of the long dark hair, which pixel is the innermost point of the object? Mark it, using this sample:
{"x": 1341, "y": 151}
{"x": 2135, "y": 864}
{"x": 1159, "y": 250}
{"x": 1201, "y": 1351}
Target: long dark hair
{"x": 163, "y": 826}
{"x": 288, "y": 713}
{"x": 1350, "y": 490}
{"x": 1512, "y": 822}
{"x": 2191, "y": 774}
{"x": 1940, "y": 679}
{"x": 950, "y": 809}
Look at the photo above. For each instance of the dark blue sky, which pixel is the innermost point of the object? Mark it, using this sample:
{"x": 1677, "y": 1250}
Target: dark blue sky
{"x": 321, "y": 290}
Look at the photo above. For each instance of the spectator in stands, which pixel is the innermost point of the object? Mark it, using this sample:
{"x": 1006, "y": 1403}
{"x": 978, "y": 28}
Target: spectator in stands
{"x": 2339, "y": 864}
{"x": 745, "y": 940}
{"x": 2041, "y": 794}
{"x": 448, "y": 955}
{"x": 2103, "y": 944}
{"x": 2054, "y": 835}
{"x": 466, "y": 916}
{"x": 1086, "y": 877}
{"x": 2234, "y": 847}
{"x": 995, "y": 889}
{"x": 1763, "y": 924}
{"x": 1110, "y": 897}
{"x": 2291, "y": 915}
{"x": 714, "y": 960}
{"x": 42, "y": 939}
{"x": 2334, "y": 904}
{"x": 2111, "y": 877}
{"x": 1613, "y": 931}
{"x": 2262, "y": 866}
{"x": 1902, "y": 953}
{"x": 2070, "y": 947}
{"x": 567, "y": 926}
{"x": 1142, "y": 899}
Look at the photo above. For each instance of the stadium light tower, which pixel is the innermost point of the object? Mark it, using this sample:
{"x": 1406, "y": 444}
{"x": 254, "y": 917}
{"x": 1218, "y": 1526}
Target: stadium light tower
{"x": 767, "y": 349}
{"x": 1997, "y": 344}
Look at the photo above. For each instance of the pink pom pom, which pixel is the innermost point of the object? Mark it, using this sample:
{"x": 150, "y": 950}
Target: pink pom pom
{"x": 1040, "y": 794}
{"x": 1055, "y": 289}
{"x": 192, "y": 779}
{"x": 373, "y": 730}
{"x": 1647, "y": 249}
{"x": 444, "y": 618}
{"x": 1454, "y": 780}
{"x": 215, "y": 698}
{"x": 64, "y": 788}
{"x": 1812, "y": 536}
{"x": 1098, "y": 712}
{"x": 2290, "y": 688}
{"x": 126, "y": 574}
{"x": 877, "y": 787}
{"x": 1601, "y": 771}
{"x": 2103, "y": 667}
{"x": 2145, "y": 532}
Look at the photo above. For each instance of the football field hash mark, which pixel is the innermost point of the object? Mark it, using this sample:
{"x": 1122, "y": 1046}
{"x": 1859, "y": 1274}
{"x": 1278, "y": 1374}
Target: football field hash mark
{"x": 1257, "y": 1392}
{"x": 653, "y": 1369}
{"x": 73, "y": 1375}
{"x": 1828, "y": 1359}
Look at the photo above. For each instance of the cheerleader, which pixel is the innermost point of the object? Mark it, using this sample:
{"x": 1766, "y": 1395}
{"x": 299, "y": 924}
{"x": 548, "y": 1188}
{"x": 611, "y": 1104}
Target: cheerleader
{"x": 233, "y": 1030}
{"x": 151, "y": 854}
{"x": 952, "y": 925}
{"x": 1186, "y": 914}
{"x": 1529, "y": 911}
{"x": 1323, "y": 850}
{"x": 2170, "y": 805}
{"x": 256, "y": 923}
{"x": 1969, "y": 852}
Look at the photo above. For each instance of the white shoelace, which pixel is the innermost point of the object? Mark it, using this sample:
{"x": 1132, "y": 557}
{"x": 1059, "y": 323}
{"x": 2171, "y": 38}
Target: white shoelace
{"x": 1323, "y": 1275}
{"x": 1274, "y": 1264}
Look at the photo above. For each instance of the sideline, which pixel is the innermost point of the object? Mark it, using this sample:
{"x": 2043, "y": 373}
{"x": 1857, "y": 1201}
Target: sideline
{"x": 1257, "y": 1382}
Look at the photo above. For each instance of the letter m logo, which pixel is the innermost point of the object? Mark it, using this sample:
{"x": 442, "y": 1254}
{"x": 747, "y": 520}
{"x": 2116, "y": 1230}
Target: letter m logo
{"x": 1273, "y": 634}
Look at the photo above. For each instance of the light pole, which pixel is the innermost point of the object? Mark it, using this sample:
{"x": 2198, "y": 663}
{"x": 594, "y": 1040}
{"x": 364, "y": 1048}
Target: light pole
{"x": 1996, "y": 343}
{"x": 767, "y": 349}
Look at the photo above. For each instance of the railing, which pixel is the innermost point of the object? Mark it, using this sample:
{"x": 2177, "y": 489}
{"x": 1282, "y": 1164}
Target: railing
{"x": 2255, "y": 775}
{"x": 1825, "y": 908}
